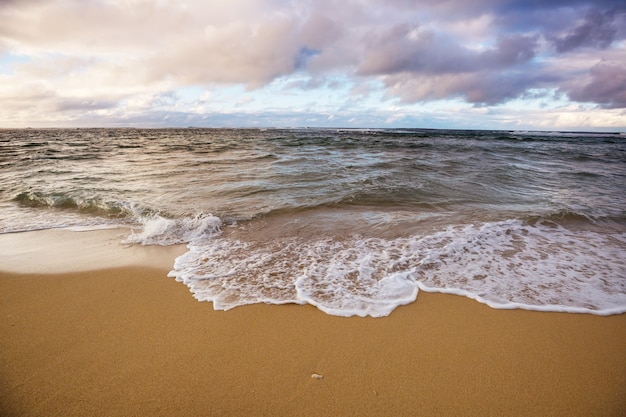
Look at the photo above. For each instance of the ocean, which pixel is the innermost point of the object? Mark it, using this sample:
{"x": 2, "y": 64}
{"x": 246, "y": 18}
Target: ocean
{"x": 352, "y": 221}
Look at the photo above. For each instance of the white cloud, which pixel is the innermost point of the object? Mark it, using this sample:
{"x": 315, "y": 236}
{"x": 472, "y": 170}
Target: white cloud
{"x": 133, "y": 61}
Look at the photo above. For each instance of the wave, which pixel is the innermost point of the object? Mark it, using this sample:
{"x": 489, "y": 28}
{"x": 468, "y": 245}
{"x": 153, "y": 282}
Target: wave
{"x": 564, "y": 134}
{"x": 92, "y": 205}
{"x": 561, "y": 217}
{"x": 578, "y": 219}
{"x": 354, "y": 222}
{"x": 506, "y": 264}
{"x": 148, "y": 226}
{"x": 159, "y": 230}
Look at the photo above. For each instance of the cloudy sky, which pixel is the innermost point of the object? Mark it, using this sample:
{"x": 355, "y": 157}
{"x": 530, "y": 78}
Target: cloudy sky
{"x": 492, "y": 64}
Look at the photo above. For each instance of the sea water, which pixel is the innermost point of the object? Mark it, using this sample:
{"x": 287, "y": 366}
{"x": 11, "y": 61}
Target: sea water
{"x": 355, "y": 222}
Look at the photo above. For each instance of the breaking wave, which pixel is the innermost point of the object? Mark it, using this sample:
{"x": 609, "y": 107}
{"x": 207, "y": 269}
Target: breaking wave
{"x": 507, "y": 264}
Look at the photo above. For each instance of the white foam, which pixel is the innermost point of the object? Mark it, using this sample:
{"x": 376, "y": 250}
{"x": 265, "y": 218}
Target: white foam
{"x": 507, "y": 264}
{"x": 354, "y": 280}
{"x": 158, "y": 230}
{"x": 541, "y": 267}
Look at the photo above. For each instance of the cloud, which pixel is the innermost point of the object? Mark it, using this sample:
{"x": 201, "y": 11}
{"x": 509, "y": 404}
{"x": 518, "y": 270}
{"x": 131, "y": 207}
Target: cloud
{"x": 103, "y": 56}
{"x": 419, "y": 65}
{"x": 404, "y": 49}
{"x": 238, "y": 52}
{"x": 485, "y": 88}
{"x": 596, "y": 30}
{"x": 606, "y": 86}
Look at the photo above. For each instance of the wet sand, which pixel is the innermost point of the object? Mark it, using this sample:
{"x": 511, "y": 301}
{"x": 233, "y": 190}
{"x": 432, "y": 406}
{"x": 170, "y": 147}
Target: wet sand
{"x": 91, "y": 340}
{"x": 130, "y": 341}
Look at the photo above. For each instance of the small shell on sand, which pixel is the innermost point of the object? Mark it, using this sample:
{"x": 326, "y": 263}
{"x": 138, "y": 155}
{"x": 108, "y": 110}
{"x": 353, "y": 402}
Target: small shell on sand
{"x": 317, "y": 376}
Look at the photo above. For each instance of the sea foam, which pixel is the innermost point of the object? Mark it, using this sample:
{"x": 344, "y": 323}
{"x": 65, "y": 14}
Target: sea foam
{"x": 507, "y": 264}
{"x": 159, "y": 230}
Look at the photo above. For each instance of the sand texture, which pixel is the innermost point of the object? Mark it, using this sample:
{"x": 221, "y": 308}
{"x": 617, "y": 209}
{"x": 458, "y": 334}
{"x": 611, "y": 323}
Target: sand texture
{"x": 132, "y": 342}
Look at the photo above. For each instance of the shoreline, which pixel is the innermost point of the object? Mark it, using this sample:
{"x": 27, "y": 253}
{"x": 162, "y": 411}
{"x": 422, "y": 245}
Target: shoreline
{"x": 131, "y": 341}
{"x": 63, "y": 250}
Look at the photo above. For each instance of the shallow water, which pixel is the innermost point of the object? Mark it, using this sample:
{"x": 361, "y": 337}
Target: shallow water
{"x": 352, "y": 221}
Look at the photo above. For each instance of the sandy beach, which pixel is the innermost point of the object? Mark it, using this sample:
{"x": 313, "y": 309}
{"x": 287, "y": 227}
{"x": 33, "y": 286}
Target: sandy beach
{"x": 128, "y": 341}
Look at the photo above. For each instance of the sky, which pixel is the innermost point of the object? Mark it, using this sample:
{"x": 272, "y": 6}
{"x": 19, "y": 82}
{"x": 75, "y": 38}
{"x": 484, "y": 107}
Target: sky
{"x": 475, "y": 64}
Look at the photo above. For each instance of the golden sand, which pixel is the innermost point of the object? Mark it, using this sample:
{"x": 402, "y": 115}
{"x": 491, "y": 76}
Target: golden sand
{"x": 132, "y": 342}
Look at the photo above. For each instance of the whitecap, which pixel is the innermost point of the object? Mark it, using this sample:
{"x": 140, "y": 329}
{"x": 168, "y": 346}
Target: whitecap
{"x": 508, "y": 264}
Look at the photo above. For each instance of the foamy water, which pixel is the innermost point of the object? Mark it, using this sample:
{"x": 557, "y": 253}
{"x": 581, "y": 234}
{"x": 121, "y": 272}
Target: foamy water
{"x": 505, "y": 264}
{"x": 352, "y": 222}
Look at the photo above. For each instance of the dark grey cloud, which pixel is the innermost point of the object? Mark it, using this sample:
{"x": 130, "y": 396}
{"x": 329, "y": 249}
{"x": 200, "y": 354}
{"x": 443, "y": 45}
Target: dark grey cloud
{"x": 421, "y": 65}
{"x": 565, "y": 24}
{"x": 480, "y": 88}
{"x": 510, "y": 50}
{"x": 406, "y": 49}
{"x": 412, "y": 58}
{"x": 607, "y": 86}
{"x": 597, "y": 31}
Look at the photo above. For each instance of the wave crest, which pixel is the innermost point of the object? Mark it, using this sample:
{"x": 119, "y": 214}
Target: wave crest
{"x": 89, "y": 205}
{"x": 159, "y": 230}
